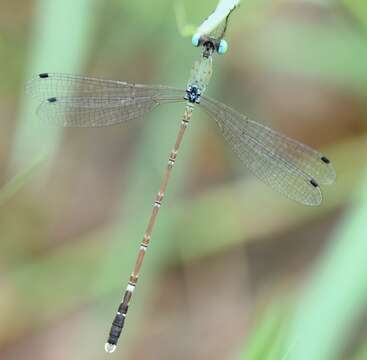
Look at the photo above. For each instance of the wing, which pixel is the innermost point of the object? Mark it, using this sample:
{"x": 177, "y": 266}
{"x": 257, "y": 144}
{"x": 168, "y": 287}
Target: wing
{"x": 79, "y": 101}
{"x": 291, "y": 168}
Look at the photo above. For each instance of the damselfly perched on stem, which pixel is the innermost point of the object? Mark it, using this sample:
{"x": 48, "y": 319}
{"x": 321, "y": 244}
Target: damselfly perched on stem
{"x": 286, "y": 165}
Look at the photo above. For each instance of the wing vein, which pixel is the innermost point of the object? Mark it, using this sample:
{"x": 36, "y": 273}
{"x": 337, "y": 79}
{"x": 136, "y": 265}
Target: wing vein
{"x": 78, "y": 101}
{"x": 269, "y": 164}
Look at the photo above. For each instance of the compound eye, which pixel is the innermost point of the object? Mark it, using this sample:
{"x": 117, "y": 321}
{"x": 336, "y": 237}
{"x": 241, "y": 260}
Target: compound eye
{"x": 223, "y": 47}
{"x": 196, "y": 40}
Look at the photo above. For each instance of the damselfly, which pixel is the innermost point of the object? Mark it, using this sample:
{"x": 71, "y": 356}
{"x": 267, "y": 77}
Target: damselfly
{"x": 286, "y": 165}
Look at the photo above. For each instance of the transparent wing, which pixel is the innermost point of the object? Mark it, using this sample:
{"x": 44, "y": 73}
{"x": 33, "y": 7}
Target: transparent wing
{"x": 79, "y": 101}
{"x": 286, "y": 165}
{"x": 302, "y": 156}
{"x": 48, "y": 85}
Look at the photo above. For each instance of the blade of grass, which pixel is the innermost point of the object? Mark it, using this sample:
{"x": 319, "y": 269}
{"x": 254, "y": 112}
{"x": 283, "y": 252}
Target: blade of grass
{"x": 184, "y": 28}
{"x": 266, "y": 341}
{"x": 60, "y": 39}
{"x": 337, "y": 291}
{"x": 20, "y": 180}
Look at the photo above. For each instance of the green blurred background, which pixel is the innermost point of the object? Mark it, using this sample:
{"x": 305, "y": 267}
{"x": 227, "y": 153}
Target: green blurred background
{"x": 235, "y": 271}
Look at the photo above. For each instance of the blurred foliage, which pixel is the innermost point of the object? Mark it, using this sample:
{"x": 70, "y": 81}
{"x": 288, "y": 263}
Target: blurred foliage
{"x": 19, "y": 181}
{"x": 70, "y": 226}
{"x": 68, "y": 48}
{"x": 357, "y": 8}
{"x": 267, "y": 340}
{"x": 336, "y": 297}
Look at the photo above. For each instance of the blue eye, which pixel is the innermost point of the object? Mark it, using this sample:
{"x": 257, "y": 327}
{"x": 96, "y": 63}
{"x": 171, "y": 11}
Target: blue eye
{"x": 195, "y": 40}
{"x": 223, "y": 47}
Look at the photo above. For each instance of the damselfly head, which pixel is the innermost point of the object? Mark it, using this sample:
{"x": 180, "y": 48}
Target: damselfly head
{"x": 210, "y": 44}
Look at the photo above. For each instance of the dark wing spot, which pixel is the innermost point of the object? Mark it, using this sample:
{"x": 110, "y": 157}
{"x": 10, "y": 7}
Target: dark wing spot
{"x": 314, "y": 183}
{"x": 325, "y": 160}
{"x": 43, "y": 75}
{"x": 51, "y": 100}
